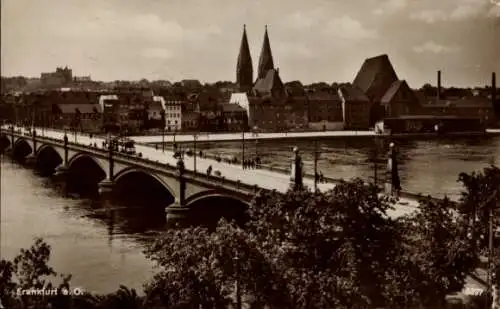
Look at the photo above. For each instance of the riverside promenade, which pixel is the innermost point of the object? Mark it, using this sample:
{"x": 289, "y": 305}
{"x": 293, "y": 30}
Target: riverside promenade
{"x": 262, "y": 178}
{"x": 229, "y": 137}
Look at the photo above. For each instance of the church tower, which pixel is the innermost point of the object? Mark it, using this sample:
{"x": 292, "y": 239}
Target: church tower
{"x": 244, "y": 68}
{"x": 266, "y": 57}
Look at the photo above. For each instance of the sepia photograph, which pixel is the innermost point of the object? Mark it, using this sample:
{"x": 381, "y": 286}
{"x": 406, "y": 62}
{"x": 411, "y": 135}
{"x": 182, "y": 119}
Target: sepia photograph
{"x": 264, "y": 154}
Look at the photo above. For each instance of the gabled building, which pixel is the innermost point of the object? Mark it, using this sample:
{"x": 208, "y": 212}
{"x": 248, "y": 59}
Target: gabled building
{"x": 269, "y": 105}
{"x": 375, "y": 77}
{"x": 235, "y": 117}
{"x": 387, "y": 95}
{"x": 270, "y": 86}
{"x": 356, "y": 107}
{"x": 324, "y": 110}
{"x": 399, "y": 100}
{"x": 79, "y": 117}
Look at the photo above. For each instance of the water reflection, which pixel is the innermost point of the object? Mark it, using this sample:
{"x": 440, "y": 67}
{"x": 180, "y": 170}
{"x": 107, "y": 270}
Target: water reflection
{"x": 101, "y": 247}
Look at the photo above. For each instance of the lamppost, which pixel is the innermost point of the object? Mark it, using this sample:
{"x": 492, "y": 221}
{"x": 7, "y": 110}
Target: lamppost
{"x": 194, "y": 151}
{"x": 243, "y": 149}
{"x": 316, "y": 176}
{"x": 257, "y": 161}
{"x": 163, "y": 140}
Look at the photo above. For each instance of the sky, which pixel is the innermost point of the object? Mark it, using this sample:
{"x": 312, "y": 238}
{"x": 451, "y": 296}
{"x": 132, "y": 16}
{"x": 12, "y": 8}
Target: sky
{"x": 312, "y": 41}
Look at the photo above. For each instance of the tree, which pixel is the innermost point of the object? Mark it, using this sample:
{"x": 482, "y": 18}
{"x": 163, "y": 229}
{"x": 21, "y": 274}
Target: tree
{"x": 478, "y": 200}
{"x": 200, "y": 269}
{"x": 328, "y": 245}
{"x": 437, "y": 254}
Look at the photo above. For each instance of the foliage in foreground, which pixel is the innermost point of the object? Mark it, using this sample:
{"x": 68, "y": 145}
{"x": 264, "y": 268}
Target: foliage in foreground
{"x": 339, "y": 249}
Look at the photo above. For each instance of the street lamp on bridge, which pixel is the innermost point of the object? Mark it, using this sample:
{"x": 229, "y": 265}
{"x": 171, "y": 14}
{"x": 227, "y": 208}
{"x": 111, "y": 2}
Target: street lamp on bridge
{"x": 163, "y": 139}
{"x": 316, "y": 175}
{"x": 243, "y": 149}
{"x": 194, "y": 151}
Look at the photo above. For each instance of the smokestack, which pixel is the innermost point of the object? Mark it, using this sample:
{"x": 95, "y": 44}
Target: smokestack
{"x": 438, "y": 96}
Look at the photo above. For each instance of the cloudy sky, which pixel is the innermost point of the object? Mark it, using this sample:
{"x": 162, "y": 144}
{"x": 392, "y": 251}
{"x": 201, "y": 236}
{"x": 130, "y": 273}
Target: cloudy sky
{"x": 314, "y": 40}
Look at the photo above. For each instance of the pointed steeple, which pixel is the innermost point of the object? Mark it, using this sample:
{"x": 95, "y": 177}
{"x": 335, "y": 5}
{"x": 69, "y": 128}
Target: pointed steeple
{"x": 266, "y": 57}
{"x": 244, "y": 69}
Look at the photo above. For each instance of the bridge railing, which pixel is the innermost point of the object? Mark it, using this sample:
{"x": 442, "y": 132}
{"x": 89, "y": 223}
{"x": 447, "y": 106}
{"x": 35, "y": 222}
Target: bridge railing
{"x": 218, "y": 181}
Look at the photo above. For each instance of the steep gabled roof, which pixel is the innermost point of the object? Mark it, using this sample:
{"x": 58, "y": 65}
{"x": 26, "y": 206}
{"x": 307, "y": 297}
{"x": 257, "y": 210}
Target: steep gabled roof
{"x": 232, "y": 108}
{"x": 270, "y": 84}
{"x": 375, "y": 77}
{"x": 399, "y": 87}
{"x": 266, "y": 62}
{"x": 352, "y": 93}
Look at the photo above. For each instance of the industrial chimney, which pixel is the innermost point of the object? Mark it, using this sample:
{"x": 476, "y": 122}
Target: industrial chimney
{"x": 438, "y": 95}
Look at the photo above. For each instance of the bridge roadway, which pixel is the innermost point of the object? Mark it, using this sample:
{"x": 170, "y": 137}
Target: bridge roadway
{"x": 262, "y": 178}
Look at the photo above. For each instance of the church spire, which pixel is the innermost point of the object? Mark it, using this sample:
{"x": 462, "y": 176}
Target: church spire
{"x": 244, "y": 69}
{"x": 266, "y": 57}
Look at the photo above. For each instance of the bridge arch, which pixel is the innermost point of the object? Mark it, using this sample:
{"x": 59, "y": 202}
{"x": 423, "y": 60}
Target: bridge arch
{"x": 4, "y": 142}
{"x": 85, "y": 173}
{"x": 140, "y": 186}
{"x": 21, "y": 148}
{"x": 83, "y": 156}
{"x": 47, "y": 159}
{"x": 208, "y": 207}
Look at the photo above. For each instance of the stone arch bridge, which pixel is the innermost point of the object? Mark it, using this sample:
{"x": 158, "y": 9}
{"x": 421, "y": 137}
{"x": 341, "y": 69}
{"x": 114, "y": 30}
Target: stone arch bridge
{"x": 186, "y": 188}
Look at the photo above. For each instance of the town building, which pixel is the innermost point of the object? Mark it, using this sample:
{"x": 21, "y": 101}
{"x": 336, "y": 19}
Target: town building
{"x": 61, "y": 77}
{"x": 173, "y": 111}
{"x": 190, "y": 121}
{"x": 324, "y": 110}
{"x": 81, "y": 117}
{"x": 234, "y": 118}
{"x": 269, "y": 105}
{"x": 473, "y": 105}
{"x": 156, "y": 113}
{"x": 356, "y": 108}
{"x": 110, "y": 106}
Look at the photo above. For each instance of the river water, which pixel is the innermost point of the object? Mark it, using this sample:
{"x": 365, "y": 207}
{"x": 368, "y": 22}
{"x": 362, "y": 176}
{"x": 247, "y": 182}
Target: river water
{"x": 103, "y": 249}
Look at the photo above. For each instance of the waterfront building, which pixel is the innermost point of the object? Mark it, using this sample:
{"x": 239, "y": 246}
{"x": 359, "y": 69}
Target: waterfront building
{"x": 208, "y": 104}
{"x": 190, "y": 121}
{"x": 110, "y": 106}
{"x": 173, "y": 111}
{"x": 79, "y": 117}
{"x": 155, "y": 112}
{"x": 269, "y": 105}
{"x": 324, "y": 110}
{"x": 473, "y": 104}
{"x": 235, "y": 117}
{"x": 356, "y": 108}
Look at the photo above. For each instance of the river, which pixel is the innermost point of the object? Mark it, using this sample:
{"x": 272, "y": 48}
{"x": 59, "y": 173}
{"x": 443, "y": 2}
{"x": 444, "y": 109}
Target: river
{"x": 103, "y": 249}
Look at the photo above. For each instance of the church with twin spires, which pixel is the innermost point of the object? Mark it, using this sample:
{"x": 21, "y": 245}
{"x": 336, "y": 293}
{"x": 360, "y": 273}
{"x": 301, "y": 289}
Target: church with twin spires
{"x": 265, "y": 98}
{"x": 268, "y": 81}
